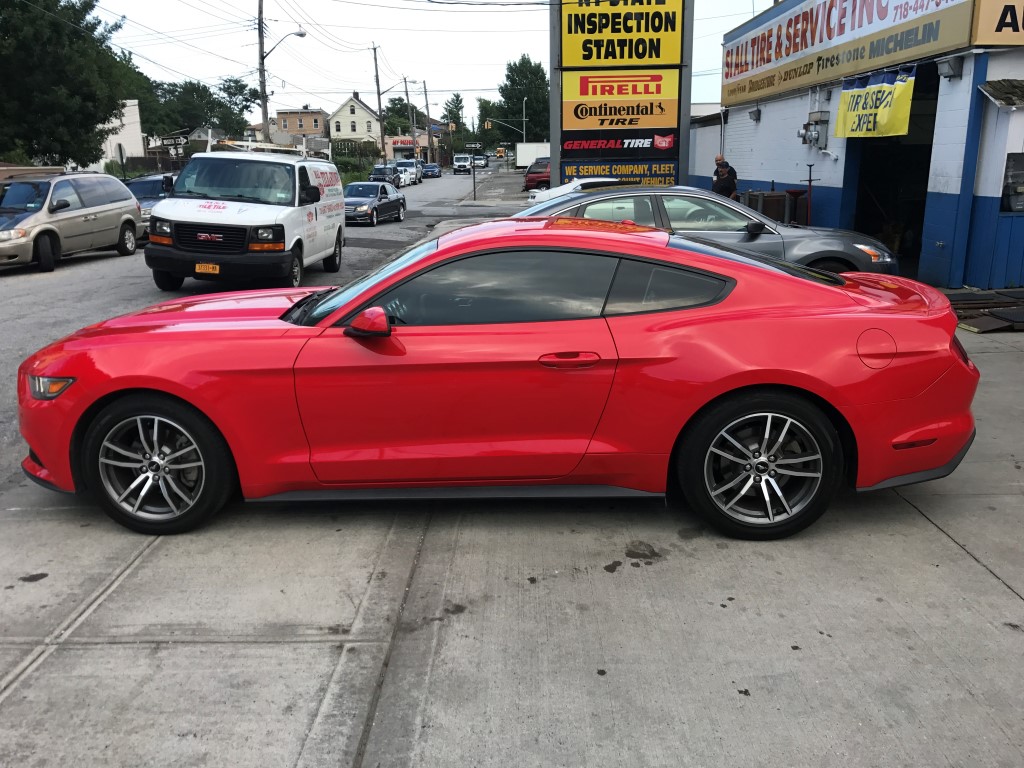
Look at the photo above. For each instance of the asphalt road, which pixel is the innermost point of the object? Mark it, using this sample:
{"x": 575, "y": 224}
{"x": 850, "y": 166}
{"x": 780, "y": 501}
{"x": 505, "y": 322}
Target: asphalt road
{"x": 890, "y": 633}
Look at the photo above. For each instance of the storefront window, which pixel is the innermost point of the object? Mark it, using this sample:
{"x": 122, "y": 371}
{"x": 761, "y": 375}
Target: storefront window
{"x": 1013, "y": 184}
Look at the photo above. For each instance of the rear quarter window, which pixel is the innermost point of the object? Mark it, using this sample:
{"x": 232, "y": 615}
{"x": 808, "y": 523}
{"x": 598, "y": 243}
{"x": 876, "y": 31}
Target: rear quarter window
{"x": 91, "y": 192}
{"x": 642, "y": 286}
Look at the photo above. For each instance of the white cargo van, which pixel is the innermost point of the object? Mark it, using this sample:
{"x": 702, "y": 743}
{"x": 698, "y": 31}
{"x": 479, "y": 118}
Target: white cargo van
{"x": 462, "y": 164}
{"x": 247, "y": 215}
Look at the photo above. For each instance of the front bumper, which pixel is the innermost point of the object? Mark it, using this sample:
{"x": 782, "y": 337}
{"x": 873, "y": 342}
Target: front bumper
{"x": 235, "y": 266}
{"x": 15, "y": 252}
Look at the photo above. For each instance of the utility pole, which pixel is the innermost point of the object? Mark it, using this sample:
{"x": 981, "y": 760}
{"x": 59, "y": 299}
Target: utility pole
{"x": 263, "y": 74}
{"x": 431, "y": 155}
{"x": 412, "y": 119}
{"x": 380, "y": 110}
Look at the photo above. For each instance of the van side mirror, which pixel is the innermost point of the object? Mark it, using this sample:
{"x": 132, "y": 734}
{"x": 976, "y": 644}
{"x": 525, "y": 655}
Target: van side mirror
{"x": 59, "y": 205}
{"x": 372, "y": 321}
{"x": 167, "y": 184}
{"x": 311, "y": 195}
{"x": 754, "y": 228}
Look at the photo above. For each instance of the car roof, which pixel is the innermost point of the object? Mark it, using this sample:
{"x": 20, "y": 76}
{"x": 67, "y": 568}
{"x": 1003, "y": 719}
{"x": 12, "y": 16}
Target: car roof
{"x": 545, "y": 227}
{"x": 64, "y": 175}
{"x": 264, "y": 157}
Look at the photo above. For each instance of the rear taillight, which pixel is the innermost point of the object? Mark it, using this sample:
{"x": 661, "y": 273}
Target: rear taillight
{"x": 961, "y": 352}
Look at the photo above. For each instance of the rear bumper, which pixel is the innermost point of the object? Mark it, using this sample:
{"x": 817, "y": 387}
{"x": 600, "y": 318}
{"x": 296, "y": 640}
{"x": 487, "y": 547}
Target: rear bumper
{"x": 927, "y": 474}
{"x": 240, "y": 266}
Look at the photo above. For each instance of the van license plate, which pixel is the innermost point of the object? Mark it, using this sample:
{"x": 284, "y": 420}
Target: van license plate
{"x": 207, "y": 269}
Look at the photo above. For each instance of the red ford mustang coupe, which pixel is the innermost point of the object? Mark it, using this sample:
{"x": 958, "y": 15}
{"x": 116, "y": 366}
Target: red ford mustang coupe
{"x": 518, "y": 358}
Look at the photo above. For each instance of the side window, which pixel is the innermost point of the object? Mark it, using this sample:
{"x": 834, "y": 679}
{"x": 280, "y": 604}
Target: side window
{"x": 390, "y": 190}
{"x": 92, "y": 192}
{"x": 507, "y": 287}
{"x": 351, "y": 109}
{"x": 303, "y": 178}
{"x": 369, "y": 126}
{"x": 116, "y": 192}
{"x": 63, "y": 190}
{"x": 316, "y": 122}
{"x": 300, "y": 123}
{"x": 284, "y": 123}
{"x": 337, "y": 126}
{"x": 642, "y": 286}
{"x": 697, "y": 214}
{"x": 635, "y": 208}
{"x": 353, "y": 126}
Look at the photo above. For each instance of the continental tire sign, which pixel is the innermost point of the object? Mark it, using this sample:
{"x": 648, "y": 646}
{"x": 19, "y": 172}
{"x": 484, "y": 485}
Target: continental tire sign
{"x": 609, "y": 33}
{"x": 620, "y": 99}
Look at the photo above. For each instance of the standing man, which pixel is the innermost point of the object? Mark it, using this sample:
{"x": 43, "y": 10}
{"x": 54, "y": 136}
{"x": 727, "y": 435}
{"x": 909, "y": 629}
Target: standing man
{"x": 723, "y": 182}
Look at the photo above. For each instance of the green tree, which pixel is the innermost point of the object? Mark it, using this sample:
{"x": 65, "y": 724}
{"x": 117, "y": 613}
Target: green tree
{"x": 526, "y": 78}
{"x": 486, "y": 110}
{"x": 68, "y": 83}
{"x": 453, "y": 111}
{"x": 237, "y": 97}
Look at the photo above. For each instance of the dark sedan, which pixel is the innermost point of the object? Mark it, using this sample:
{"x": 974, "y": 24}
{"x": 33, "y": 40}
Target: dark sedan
{"x": 371, "y": 201}
{"x": 431, "y": 171}
{"x": 710, "y": 217}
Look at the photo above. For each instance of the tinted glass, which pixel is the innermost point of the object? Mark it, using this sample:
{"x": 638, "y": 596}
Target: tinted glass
{"x": 115, "y": 191}
{"x": 698, "y": 214}
{"x": 230, "y": 178}
{"x": 91, "y": 192}
{"x": 63, "y": 190}
{"x": 755, "y": 260}
{"x": 24, "y": 195}
{"x": 647, "y": 287}
{"x": 635, "y": 208}
{"x": 362, "y": 190}
{"x": 147, "y": 188}
{"x": 537, "y": 168}
{"x": 508, "y": 287}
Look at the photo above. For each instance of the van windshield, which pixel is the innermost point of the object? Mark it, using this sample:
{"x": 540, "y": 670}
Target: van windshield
{"x": 24, "y": 195}
{"x": 236, "y": 178}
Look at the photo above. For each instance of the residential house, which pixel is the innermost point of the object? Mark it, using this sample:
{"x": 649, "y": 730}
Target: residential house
{"x": 355, "y": 121}
{"x": 303, "y": 122}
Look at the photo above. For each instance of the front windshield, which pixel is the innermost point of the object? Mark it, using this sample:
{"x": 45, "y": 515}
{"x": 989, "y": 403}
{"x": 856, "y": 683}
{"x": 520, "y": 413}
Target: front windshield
{"x": 24, "y": 195}
{"x": 361, "y": 190}
{"x": 237, "y": 178}
{"x": 345, "y": 294}
{"x": 382, "y": 169}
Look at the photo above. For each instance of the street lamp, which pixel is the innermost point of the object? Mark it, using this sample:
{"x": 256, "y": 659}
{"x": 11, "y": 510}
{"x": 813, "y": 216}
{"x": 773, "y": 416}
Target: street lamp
{"x": 300, "y": 32}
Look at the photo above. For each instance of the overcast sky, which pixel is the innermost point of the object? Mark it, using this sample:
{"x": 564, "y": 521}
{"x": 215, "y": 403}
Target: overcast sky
{"x": 459, "y": 47}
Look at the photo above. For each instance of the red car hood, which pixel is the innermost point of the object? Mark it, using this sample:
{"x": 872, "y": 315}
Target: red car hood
{"x": 248, "y": 308}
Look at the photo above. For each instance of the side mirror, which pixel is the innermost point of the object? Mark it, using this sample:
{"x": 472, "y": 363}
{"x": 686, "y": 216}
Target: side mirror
{"x": 59, "y": 205}
{"x": 372, "y": 321}
{"x": 167, "y": 184}
{"x": 311, "y": 195}
{"x": 754, "y": 228}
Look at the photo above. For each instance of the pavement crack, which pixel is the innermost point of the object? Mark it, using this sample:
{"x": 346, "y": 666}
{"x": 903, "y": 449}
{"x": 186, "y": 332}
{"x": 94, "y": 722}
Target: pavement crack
{"x": 973, "y": 556}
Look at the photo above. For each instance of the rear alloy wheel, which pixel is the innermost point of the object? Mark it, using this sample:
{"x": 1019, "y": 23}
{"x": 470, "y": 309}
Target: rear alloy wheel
{"x": 542, "y": 187}
{"x": 761, "y": 467}
{"x": 165, "y": 281}
{"x": 157, "y": 466}
{"x": 47, "y": 252}
{"x": 126, "y": 240}
{"x": 333, "y": 262}
{"x": 401, "y": 213}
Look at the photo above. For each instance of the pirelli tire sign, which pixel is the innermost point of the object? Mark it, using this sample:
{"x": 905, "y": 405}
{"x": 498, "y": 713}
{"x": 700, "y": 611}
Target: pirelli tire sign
{"x": 621, "y": 63}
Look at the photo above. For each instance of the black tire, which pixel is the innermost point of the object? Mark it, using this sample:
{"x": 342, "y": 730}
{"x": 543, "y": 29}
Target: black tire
{"x": 795, "y": 437}
{"x": 833, "y": 265}
{"x": 295, "y": 273}
{"x": 373, "y": 218}
{"x": 168, "y": 496}
{"x": 126, "y": 242}
{"x": 47, "y": 252}
{"x": 333, "y": 262}
{"x": 401, "y": 213}
{"x": 165, "y": 281}
{"x": 542, "y": 187}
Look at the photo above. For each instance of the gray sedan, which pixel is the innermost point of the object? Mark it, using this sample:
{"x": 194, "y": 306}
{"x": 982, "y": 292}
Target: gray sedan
{"x": 713, "y": 218}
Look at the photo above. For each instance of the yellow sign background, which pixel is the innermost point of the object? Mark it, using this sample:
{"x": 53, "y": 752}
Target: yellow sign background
{"x": 588, "y": 92}
{"x": 601, "y": 35}
{"x": 989, "y": 16}
{"x": 877, "y": 109}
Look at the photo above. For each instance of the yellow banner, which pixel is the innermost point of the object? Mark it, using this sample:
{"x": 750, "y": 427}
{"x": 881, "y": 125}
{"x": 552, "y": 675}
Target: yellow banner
{"x": 876, "y": 105}
{"x": 605, "y": 34}
{"x": 609, "y": 98}
{"x": 997, "y": 22}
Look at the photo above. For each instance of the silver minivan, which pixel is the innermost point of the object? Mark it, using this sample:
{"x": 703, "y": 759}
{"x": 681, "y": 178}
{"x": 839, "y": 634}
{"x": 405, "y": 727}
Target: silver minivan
{"x": 46, "y": 216}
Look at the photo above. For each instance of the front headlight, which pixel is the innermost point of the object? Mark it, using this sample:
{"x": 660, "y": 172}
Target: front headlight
{"x": 11, "y": 234}
{"x": 161, "y": 227}
{"x": 878, "y": 255}
{"x": 265, "y": 233}
{"x": 48, "y": 387}
{"x": 362, "y": 208}
{"x": 147, "y": 211}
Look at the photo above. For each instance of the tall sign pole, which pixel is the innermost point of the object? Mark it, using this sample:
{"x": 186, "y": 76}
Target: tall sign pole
{"x": 431, "y": 155}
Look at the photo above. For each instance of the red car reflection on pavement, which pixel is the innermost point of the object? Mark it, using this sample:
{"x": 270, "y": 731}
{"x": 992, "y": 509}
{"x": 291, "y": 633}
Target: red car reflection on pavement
{"x": 517, "y": 358}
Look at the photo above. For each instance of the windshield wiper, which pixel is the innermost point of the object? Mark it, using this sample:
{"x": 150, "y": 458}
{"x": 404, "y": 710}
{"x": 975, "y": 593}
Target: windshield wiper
{"x": 249, "y": 198}
{"x": 189, "y": 193}
{"x": 298, "y": 311}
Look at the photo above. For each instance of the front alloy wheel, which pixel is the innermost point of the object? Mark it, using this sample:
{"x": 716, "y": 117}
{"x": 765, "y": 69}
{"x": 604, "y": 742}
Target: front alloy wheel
{"x": 156, "y": 465}
{"x": 763, "y": 467}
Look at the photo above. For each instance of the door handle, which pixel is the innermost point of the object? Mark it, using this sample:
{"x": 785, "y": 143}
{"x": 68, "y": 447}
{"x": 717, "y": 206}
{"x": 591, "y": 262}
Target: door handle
{"x": 569, "y": 360}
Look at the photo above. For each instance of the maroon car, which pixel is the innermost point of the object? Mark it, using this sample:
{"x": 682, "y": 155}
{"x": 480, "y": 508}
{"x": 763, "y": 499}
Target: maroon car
{"x": 538, "y": 176}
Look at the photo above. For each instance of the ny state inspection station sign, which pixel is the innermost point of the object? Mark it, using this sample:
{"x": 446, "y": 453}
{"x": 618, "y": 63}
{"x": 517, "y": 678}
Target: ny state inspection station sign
{"x": 610, "y": 33}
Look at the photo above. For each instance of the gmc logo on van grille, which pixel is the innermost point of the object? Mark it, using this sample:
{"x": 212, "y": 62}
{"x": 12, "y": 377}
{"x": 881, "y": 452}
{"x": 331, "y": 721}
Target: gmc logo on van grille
{"x": 207, "y": 237}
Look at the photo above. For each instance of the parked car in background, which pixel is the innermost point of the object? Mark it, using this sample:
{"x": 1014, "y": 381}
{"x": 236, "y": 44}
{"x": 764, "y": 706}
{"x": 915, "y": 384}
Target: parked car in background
{"x": 646, "y": 361}
{"x": 576, "y": 185}
{"x": 370, "y": 201}
{"x": 387, "y": 172}
{"x": 148, "y": 190}
{"x": 462, "y": 164}
{"x": 431, "y": 171}
{"x": 538, "y": 176}
{"x": 481, "y": 161}
{"x": 415, "y": 169}
{"x": 711, "y": 217}
{"x": 46, "y": 217}
{"x": 405, "y": 177}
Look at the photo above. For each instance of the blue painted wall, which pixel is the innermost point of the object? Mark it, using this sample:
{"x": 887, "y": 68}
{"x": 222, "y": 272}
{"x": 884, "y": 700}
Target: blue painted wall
{"x": 995, "y": 257}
